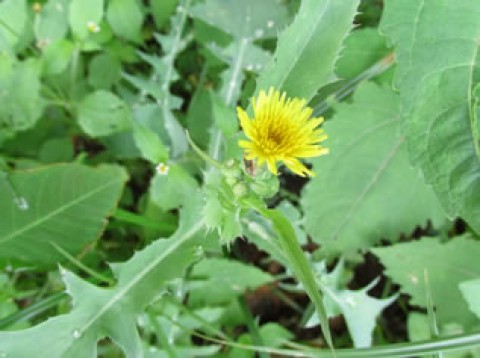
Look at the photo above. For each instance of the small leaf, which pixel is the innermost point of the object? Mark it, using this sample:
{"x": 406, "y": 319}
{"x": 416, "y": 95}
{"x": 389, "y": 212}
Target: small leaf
{"x": 102, "y": 113}
{"x": 82, "y": 13}
{"x": 126, "y": 18}
{"x": 171, "y": 190}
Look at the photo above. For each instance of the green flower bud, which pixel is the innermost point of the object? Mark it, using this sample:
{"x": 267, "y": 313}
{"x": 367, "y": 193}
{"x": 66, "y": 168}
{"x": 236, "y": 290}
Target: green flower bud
{"x": 240, "y": 190}
{"x": 265, "y": 187}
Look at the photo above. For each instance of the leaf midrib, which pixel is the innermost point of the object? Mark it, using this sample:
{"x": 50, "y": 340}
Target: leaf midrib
{"x": 58, "y": 211}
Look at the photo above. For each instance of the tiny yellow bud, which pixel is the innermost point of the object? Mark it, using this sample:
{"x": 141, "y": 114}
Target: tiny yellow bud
{"x": 36, "y": 7}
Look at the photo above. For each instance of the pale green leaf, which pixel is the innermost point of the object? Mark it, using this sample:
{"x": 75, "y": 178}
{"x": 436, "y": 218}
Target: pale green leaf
{"x": 359, "y": 310}
{"x": 13, "y": 20}
{"x": 52, "y": 22}
{"x": 82, "y": 13}
{"x": 63, "y": 204}
{"x": 21, "y": 105}
{"x": 365, "y": 189}
{"x": 307, "y": 50}
{"x": 57, "y": 56}
{"x": 126, "y": 18}
{"x": 436, "y": 47}
{"x": 102, "y": 113}
{"x": 149, "y": 144}
{"x": 447, "y": 265}
{"x": 471, "y": 292}
{"x": 249, "y": 19}
{"x": 111, "y": 312}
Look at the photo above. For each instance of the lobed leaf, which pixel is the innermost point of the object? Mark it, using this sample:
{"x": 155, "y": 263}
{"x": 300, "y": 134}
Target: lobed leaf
{"x": 308, "y": 49}
{"x": 99, "y": 312}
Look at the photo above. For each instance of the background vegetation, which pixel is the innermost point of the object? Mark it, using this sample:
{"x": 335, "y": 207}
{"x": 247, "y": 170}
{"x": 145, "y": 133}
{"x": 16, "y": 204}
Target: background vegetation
{"x": 118, "y": 239}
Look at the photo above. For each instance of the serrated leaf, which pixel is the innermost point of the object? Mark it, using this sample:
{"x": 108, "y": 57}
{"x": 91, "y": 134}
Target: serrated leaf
{"x": 111, "y": 312}
{"x": 358, "y": 308}
{"x": 436, "y": 46}
{"x": 365, "y": 189}
{"x": 307, "y": 50}
{"x": 64, "y": 204}
{"x": 447, "y": 265}
{"x": 102, "y": 113}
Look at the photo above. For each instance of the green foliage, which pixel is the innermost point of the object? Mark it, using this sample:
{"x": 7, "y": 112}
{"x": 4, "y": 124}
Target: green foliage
{"x": 358, "y": 308}
{"x": 436, "y": 45}
{"x": 50, "y": 207}
{"x": 99, "y": 312}
{"x": 307, "y": 50}
{"x": 346, "y": 205}
{"x": 102, "y": 113}
{"x": 445, "y": 265}
{"x": 95, "y": 92}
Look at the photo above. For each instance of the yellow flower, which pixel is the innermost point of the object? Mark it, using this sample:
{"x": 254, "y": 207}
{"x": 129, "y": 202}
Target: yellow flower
{"x": 281, "y": 130}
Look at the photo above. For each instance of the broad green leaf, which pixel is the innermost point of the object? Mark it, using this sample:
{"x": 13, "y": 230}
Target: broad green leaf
{"x": 126, "y": 18}
{"x": 82, "y": 13}
{"x": 61, "y": 204}
{"x": 436, "y": 46}
{"x": 447, "y": 265}
{"x": 365, "y": 189}
{"x": 111, "y": 312}
{"x": 21, "y": 105}
{"x": 102, "y": 113}
{"x": 471, "y": 292}
{"x": 13, "y": 19}
{"x": 307, "y": 50}
{"x": 218, "y": 281}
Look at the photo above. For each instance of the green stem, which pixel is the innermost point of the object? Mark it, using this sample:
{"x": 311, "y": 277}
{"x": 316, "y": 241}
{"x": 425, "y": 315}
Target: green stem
{"x": 298, "y": 261}
{"x": 33, "y": 310}
{"x": 82, "y": 266}
{"x": 162, "y": 337}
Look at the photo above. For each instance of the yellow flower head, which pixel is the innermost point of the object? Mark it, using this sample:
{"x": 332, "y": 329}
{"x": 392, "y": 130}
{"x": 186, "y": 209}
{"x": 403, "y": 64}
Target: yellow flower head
{"x": 281, "y": 130}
